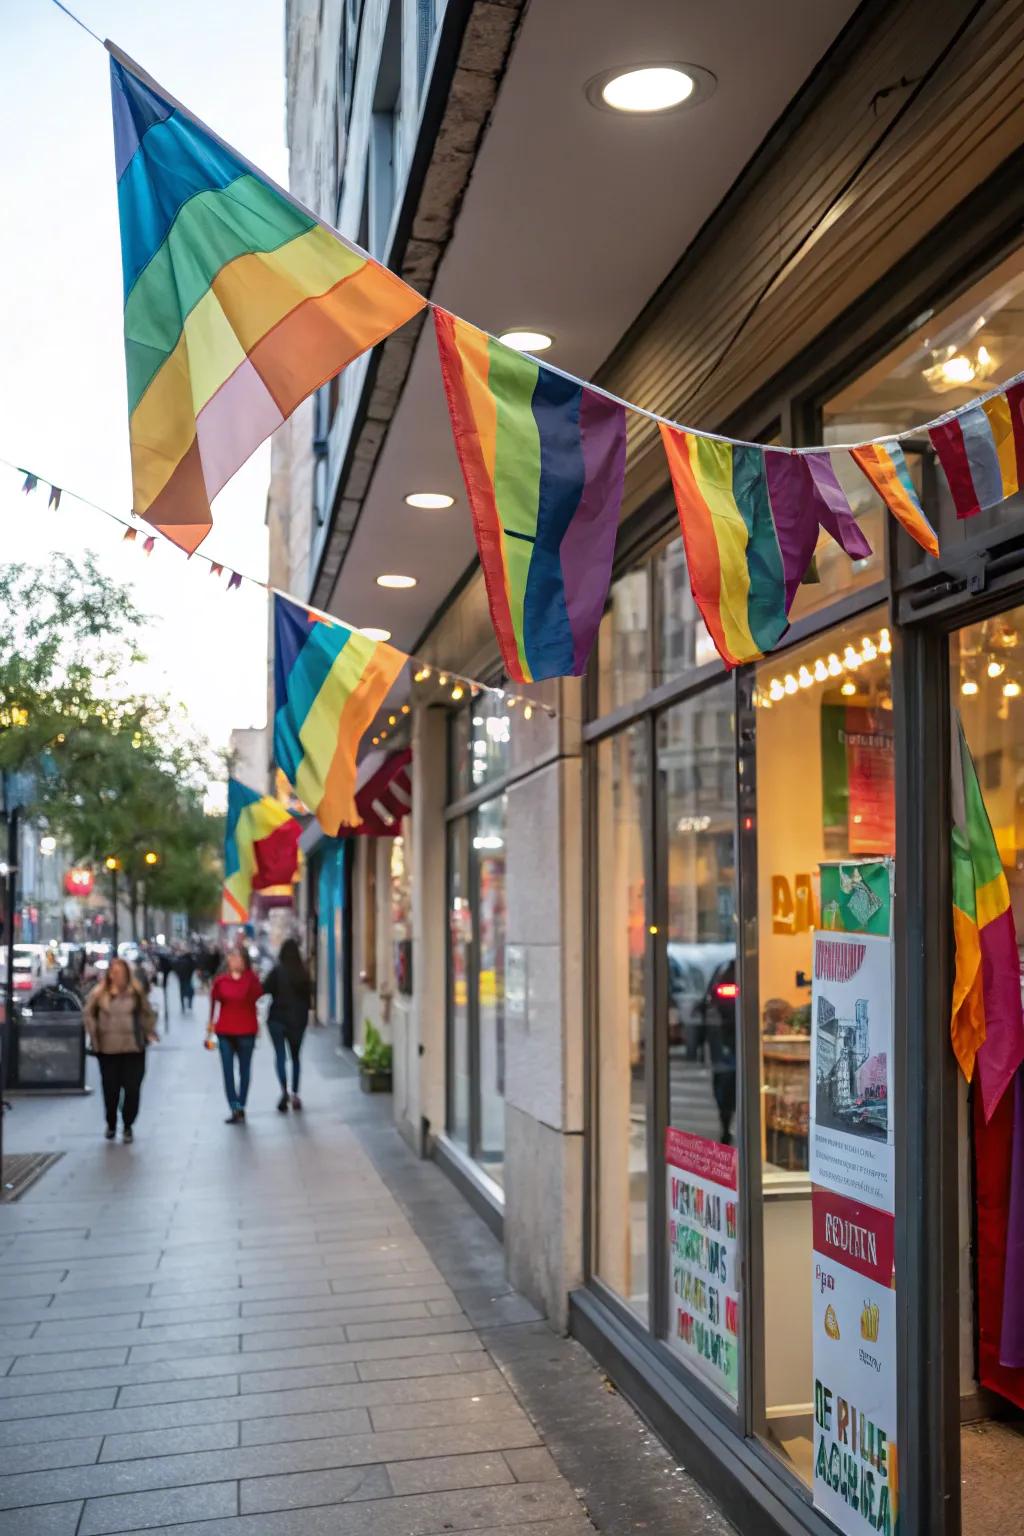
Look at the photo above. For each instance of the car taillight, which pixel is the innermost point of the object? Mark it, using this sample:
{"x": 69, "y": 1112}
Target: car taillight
{"x": 23, "y": 984}
{"x": 726, "y": 990}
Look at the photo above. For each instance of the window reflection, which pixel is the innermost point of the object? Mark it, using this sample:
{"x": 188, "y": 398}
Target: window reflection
{"x": 460, "y": 942}
{"x": 621, "y": 1143}
{"x": 696, "y": 760}
{"x": 622, "y": 643}
{"x": 490, "y": 853}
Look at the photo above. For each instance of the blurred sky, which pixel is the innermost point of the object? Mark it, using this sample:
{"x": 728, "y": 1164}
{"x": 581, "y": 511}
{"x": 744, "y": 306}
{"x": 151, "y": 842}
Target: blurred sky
{"x": 63, "y": 407}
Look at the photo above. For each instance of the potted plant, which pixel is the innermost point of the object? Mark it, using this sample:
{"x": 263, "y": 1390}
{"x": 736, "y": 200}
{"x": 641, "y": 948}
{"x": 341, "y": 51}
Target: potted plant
{"x": 375, "y": 1062}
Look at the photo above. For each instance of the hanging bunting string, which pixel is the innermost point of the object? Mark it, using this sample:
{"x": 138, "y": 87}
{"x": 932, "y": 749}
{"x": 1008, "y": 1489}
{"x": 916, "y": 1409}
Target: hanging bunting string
{"x": 572, "y": 378}
{"x": 424, "y": 669}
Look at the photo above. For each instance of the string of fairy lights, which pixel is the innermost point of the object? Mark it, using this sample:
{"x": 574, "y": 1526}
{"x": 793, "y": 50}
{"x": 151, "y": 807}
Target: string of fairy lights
{"x": 829, "y": 668}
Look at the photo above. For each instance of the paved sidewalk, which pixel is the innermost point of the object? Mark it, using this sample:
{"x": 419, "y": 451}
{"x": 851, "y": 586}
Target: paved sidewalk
{"x": 236, "y": 1331}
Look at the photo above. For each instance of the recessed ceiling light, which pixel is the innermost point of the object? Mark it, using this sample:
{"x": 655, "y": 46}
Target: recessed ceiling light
{"x": 396, "y": 581}
{"x": 643, "y": 89}
{"x": 375, "y": 634}
{"x": 429, "y": 501}
{"x": 526, "y": 341}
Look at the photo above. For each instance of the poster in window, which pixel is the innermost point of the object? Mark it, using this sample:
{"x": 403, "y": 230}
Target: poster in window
{"x": 858, "y": 777}
{"x": 855, "y": 1464}
{"x": 703, "y": 1282}
{"x": 852, "y": 1144}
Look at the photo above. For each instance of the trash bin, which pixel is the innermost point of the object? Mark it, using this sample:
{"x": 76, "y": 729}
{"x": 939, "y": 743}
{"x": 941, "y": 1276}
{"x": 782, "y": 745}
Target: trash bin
{"x": 47, "y": 1042}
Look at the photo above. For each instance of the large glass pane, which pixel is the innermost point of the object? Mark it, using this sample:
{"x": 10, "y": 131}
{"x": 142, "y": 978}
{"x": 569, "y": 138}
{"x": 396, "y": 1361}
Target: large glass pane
{"x": 460, "y": 971}
{"x": 478, "y": 744}
{"x": 489, "y": 851}
{"x": 987, "y": 685}
{"x": 624, "y": 673}
{"x": 825, "y": 790}
{"x": 697, "y": 764}
{"x": 620, "y": 1203}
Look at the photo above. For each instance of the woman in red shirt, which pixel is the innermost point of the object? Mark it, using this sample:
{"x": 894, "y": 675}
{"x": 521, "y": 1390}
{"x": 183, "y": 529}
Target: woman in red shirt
{"x": 233, "y": 998}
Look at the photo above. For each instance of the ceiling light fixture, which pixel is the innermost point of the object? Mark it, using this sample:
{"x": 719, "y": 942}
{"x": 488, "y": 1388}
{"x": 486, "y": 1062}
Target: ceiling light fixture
{"x": 375, "y": 634}
{"x": 429, "y": 501}
{"x": 642, "y": 90}
{"x": 521, "y": 339}
{"x": 396, "y": 581}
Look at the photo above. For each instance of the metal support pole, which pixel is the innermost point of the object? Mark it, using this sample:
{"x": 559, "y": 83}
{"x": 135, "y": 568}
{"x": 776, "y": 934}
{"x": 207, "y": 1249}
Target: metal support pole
{"x": 113, "y": 881}
{"x": 7, "y": 1027}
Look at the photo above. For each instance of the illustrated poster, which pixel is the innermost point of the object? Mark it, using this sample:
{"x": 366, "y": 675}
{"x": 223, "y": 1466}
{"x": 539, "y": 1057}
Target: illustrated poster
{"x": 703, "y": 1213}
{"x": 854, "y": 1317}
{"x": 852, "y": 1144}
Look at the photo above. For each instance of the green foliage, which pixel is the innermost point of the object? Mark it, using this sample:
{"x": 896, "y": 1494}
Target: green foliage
{"x": 377, "y": 1056}
{"x": 115, "y": 774}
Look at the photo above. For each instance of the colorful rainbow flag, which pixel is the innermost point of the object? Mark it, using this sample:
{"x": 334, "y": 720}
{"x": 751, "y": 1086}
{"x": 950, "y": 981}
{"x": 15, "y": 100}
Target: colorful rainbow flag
{"x": 543, "y": 459}
{"x": 885, "y": 466}
{"x": 987, "y": 1024}
{"x": 261, "y": 849}
{"x": 329, "y": 682}
{"x": 750, "y": 520}
{"x": 981, "y": 450}
{"x": 238, "y": 304}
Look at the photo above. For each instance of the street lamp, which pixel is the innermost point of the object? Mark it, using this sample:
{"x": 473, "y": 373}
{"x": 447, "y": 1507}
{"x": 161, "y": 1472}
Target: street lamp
{"x": 151, "y": 859}
{"x": 113, "y": 865}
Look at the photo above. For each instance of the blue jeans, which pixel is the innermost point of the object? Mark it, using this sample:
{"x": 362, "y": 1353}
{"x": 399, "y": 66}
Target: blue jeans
{"x": 231, "y": 1046}
{"x": 286, "y": 1035}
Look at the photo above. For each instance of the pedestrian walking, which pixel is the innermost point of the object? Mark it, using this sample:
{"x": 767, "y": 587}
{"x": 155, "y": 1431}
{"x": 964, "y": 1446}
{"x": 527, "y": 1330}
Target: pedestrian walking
{"x": 120, "y": 1024}
{"x": 185, "y": 969}
{"x": 233, "y": 998}
{"x": 288, "y": 986}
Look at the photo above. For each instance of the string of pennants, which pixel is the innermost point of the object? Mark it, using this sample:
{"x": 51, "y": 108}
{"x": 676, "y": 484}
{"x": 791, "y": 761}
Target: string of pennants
{"x": 239, "y": 303}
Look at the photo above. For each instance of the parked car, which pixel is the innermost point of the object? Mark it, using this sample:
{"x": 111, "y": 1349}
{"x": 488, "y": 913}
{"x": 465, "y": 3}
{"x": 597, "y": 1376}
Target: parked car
{"x": 29, "y": 966}
{"x": 690, "y": 968}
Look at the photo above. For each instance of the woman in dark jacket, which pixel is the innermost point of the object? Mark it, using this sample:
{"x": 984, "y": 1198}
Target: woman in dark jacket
{"x": 290, "y": 992}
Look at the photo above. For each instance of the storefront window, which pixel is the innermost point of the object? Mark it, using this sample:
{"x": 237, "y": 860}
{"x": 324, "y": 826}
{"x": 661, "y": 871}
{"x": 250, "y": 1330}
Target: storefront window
{"x": 479, "y": 744}
{"x": 825, "y": 792}
{"x": 987, "y": 689}
{"x": 697, "y": 764}
{"x": 490, "y": 853}
{"x": 401, "y": 915}
{"x": 620, "y": 1257}
{"x": 460, "y": 970}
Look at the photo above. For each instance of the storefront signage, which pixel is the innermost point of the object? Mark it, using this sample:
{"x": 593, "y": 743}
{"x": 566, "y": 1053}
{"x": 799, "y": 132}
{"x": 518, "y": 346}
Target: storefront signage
{"x": 703, "y": 1283}
{"x": 854, "y": 1319}
{"x": 857, "y": 776}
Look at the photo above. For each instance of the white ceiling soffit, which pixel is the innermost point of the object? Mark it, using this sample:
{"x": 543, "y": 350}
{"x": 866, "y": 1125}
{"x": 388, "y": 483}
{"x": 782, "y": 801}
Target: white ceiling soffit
{"x": 571, "y": 220}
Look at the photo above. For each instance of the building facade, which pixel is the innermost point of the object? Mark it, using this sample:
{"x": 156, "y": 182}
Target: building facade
{"x": 594, "y": 934}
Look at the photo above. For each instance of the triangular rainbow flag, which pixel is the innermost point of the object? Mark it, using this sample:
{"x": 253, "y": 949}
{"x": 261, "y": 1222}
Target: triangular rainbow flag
{"x": 238, "y": 304}
{"x": 329, "y": 682}
{"x": 261, "y": 849}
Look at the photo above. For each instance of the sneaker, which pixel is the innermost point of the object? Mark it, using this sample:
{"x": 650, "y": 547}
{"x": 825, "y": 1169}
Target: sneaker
{"x": 240, "y": 1113}
{"x": 110, "y": 1132}
{"x": 235, "y": 1117}
{"x": 296, "y": 1101}
{"x": 282, "y": 1103}
{"x": 129, "y": 1134}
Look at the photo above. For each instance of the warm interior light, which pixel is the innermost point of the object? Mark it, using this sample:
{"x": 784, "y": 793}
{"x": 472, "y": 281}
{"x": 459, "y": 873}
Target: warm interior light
{"x": 655, "y": 88}
{"x": 528, "y": 712}
{"x": 958, "y": 369}
{"x": 804, "y": 678}
{"x": 457, "y": 692}
{"x": 995, "y": 669}
{"x": 375, "y": 634}
{"x": 790, "y": 685}
{"x": 835, "y": 666}
{"x": 526, "y": 340}
{"x": 1011, "y": 690}
{"x": 849, "y": 688}
{"x": 969, "y": 687}
{"x": 429, "y": 501}
{"x": 884, "y": 642}
{"x": 820, "y": 670}
{"x": 396, "y": 581}
{"x": 776, "y": 690}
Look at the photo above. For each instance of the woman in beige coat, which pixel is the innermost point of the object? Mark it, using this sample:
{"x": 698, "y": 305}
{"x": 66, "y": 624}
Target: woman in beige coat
{"x": 120, "y": 1024}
